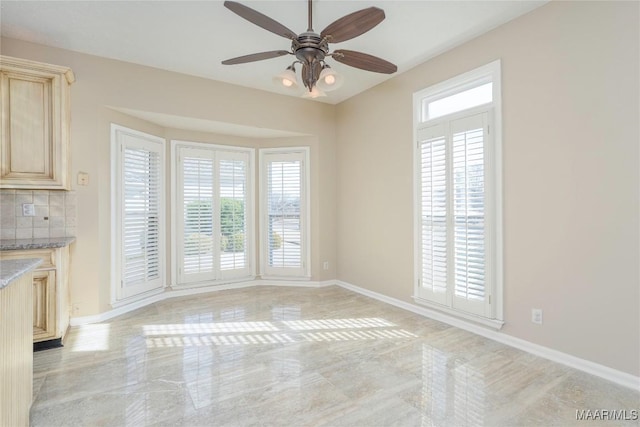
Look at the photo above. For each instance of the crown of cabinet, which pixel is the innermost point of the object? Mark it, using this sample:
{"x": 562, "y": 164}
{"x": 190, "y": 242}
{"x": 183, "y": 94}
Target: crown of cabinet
{"x": 35, "y": 124}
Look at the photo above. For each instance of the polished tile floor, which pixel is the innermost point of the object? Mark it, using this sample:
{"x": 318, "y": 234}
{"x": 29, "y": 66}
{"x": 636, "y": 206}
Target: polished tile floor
{"x": 279, "y": 356}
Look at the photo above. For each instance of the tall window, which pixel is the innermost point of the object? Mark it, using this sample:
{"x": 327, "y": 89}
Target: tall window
{"x": 139, "y": 230}
{"x": 457, "y": 172}
{"x": 284, "y": 181}
{"x": 214, "y": 213}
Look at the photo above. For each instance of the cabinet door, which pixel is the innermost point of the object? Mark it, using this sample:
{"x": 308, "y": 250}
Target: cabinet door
{"x": 44, "y": 305}
{"x": 28, "y": 131}
{"x": 33, "y": 131}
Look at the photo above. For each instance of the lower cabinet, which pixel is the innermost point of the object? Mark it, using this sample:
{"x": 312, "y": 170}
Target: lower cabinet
{"x": 16, "y": 352}
{"x": 44, "y": 305}
{"x": 51, "y": 308}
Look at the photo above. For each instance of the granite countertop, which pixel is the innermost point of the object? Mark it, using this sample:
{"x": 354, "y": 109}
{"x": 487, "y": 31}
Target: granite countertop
{"x": 46, "y": 243}
{"x": 11, "y": 269}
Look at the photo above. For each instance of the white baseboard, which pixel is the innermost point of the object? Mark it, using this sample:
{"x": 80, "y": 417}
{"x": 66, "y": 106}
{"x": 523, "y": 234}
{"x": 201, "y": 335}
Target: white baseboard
{"x": 117, "y": 311}
{"x": 186, "y": 290}
{"x": 610, "y": 374}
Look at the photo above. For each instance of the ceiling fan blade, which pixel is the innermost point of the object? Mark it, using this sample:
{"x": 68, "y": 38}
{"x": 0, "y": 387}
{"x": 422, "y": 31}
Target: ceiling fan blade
{"x": 353, "y": 24}
{"x": 364, "y": 61}
{"x": 255, "y": 57}
{"x": 259, "y": 19}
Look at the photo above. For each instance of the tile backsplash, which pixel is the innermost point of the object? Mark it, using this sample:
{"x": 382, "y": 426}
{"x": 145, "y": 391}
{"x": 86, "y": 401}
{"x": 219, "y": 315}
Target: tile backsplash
{"x": 55, "y": 214}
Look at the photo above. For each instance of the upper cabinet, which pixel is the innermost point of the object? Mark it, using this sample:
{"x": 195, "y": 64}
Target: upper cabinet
{"x": 35, "y": 124}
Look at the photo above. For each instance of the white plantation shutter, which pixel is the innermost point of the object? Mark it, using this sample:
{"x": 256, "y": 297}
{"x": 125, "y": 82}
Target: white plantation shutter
{"x": 285, "y": 203}
{"x": 213, "y": 235}
{"x": 234, "y": 206}
{"x": 283, "y": 186}
{"x": 197, "y": 235}
{"x": 452, "y": 210}
{"x": 433, "y": 212}
{"x": 141, "y": 215}
{"x": 140, "y": 219}
{"x": 468, "y": 159}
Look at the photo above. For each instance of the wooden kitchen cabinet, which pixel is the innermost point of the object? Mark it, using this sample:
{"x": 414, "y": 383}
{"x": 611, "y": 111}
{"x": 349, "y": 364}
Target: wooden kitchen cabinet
{"x": 51, "y": 308}
{"x": 44, "y": 305}
{"x": 16, "y": 351}
{"x": 35, "y": 124}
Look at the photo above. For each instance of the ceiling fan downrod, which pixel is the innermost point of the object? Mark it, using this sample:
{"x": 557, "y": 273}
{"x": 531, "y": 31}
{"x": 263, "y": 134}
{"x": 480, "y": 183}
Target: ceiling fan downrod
{"x": 310, "y": 49}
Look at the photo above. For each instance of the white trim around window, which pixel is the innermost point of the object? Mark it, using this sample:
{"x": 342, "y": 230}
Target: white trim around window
{"x": 446, "y": 210}
{"x": 285, "y": 213}
{"x": 215, "y": 164}
{"x": 138, "y": 224}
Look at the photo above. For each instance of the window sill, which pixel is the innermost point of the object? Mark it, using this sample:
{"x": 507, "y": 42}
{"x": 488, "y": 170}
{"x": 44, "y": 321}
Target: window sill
{"x": 136, "y": 298}
{"x": 212, "y": 283}
{"x": 287, "y": 278}
{"x": 458, "y": 315}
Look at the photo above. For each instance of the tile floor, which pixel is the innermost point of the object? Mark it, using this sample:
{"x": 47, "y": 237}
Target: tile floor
{"x": 278, "y": 356}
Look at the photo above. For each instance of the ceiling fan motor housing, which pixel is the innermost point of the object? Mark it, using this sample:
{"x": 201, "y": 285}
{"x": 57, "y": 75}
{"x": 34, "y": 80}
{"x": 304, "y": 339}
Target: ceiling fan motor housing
{"x": 310, "y": 48}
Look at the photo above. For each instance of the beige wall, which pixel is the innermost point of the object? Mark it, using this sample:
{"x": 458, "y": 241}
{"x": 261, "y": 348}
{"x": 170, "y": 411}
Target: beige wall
{"x": 103, "y": 83}
{"x": 571, "y": 185}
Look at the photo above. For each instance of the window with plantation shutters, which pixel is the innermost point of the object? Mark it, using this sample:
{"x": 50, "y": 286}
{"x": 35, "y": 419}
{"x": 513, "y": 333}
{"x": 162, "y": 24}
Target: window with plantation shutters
{"x": 213, "y": 214}
{"x": 468, "y": 199}
{"x": 197, "y": 237}
{"x": 458, "y": 250}
{"x": 139, "y": 207}
{"x": 232, "y": 174}
{"x": 433, "y": 207}
{"x": 452, "y": 213}
{"x": 284, "y": 209}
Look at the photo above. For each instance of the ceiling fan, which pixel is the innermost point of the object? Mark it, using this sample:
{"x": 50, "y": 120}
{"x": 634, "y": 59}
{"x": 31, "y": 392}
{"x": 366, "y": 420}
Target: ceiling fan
{"x": 311, "y": 49}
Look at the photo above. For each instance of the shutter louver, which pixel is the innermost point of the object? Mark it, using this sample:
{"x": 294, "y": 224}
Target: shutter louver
{"x": 233, "y": 203}
{"x": 198, "y": 205}
{"x": 141, "y": 215}
{"x": 284, "y": 193}
{"x": 433, "y": 207}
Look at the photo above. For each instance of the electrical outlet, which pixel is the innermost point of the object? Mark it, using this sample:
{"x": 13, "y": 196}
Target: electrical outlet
{"x": 325, "y": 265}
{"x": 76, "y": 308}
{"x": 28, "y": 209}
{"x": 83, "y": 178}
{"x": 536, "y": 315}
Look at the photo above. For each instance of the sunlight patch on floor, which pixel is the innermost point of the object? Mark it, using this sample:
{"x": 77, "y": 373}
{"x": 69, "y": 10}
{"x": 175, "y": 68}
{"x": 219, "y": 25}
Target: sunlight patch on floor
{"x": 208, "y": 328}
{"x": 93, "y": 337}
{"x": 244, "y": 333}
{"x": 365, "y": 322}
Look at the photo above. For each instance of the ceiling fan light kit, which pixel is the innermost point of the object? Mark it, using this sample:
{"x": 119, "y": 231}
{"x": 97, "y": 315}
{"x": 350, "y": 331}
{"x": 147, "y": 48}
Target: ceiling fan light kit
{"x": 314, "y": 93}
{"x": 287, "y": 78}
{"x": 329, "y": 80}
{"x": 311, "y": 49}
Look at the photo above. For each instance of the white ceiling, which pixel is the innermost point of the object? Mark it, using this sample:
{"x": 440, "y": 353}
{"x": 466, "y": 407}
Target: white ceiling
{"x": 193, "y": 37}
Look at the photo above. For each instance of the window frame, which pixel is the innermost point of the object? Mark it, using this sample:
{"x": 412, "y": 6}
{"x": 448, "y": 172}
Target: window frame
{"x": 273, "y": 273}
{"x": 250, "y": 209}
{"x": 488, "y": 73}
{"x": 118, "y": 296}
